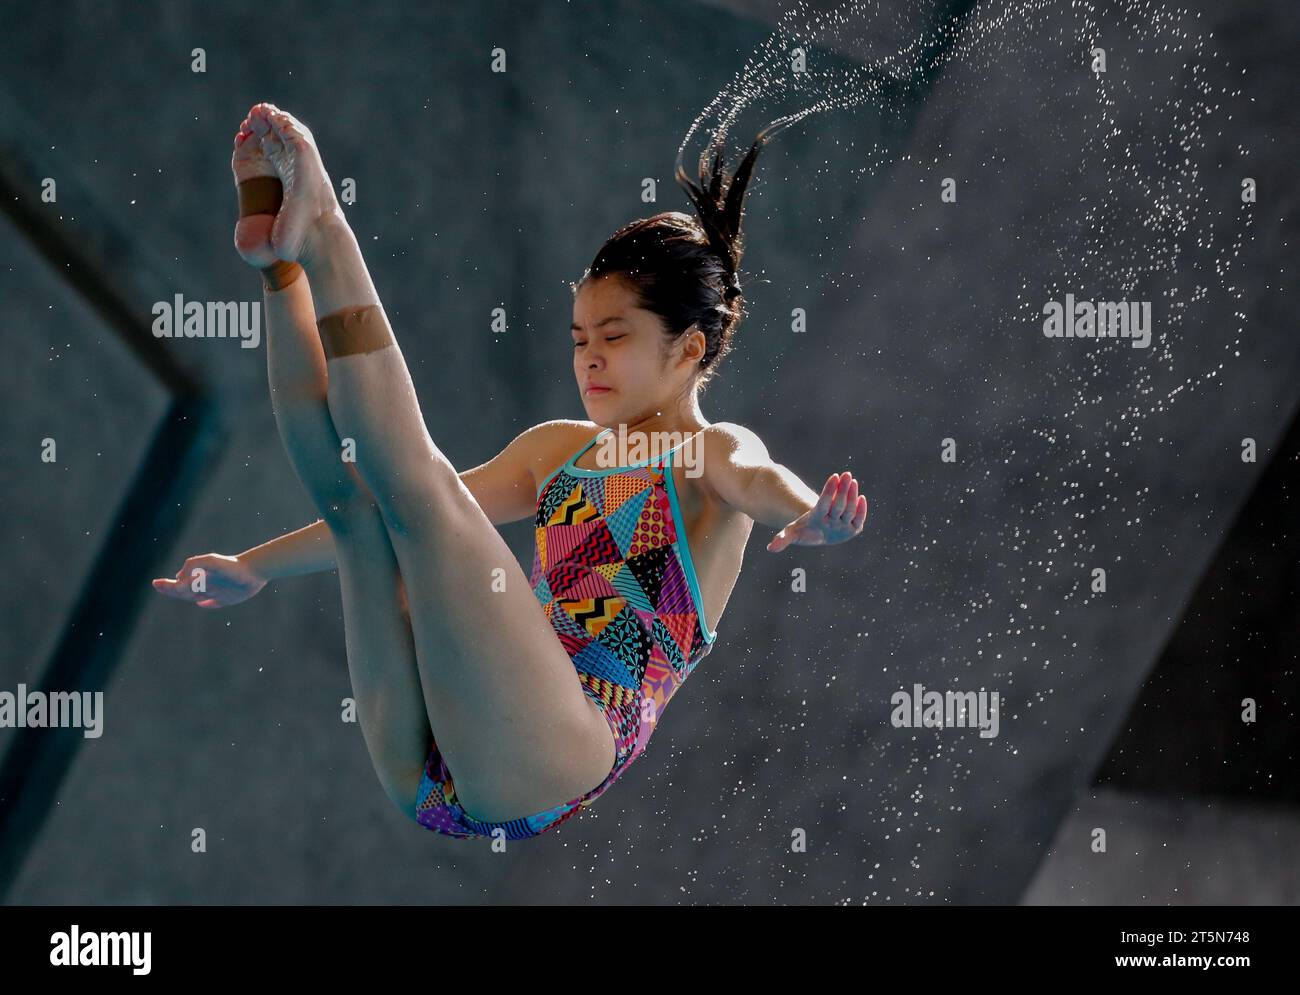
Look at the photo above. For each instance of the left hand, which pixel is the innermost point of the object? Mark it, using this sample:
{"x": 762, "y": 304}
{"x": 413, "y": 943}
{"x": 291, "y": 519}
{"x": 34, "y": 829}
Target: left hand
{"x": 839, "y": 515}
{"x": 227, "y": 580}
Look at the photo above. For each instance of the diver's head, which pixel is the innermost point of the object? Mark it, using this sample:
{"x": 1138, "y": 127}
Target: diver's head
{"x": 624, "y": 361}
{"x": 672, "y": 279}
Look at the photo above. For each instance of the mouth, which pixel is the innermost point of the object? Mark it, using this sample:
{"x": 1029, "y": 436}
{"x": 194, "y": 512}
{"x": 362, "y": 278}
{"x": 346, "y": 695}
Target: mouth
{"x": 594, "y": 389}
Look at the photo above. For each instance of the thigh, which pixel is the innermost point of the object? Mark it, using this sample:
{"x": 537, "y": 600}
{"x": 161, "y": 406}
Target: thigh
{"x": 503, "y": 696}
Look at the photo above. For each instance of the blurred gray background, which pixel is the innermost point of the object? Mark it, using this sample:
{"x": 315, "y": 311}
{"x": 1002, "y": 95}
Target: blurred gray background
{"x": 478, "y": 190}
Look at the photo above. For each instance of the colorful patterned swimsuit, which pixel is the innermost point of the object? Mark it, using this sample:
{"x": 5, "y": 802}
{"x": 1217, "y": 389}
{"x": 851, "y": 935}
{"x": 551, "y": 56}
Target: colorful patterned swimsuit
{"x": 612, "y": 570}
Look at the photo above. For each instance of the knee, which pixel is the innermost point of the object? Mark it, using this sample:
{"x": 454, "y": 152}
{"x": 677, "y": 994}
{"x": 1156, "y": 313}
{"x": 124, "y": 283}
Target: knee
{"x": 346, "y": 513}
{"x": 422, "y": 500}
{"x": 337, "y": 491}
{"x": 405, "y": 513}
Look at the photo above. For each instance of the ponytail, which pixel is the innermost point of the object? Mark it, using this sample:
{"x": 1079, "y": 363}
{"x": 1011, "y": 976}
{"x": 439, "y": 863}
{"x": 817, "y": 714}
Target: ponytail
{"x": 686, "y": 269}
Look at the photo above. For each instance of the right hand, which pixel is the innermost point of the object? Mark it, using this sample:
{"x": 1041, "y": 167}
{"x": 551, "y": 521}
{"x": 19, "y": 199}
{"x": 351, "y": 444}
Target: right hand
{"x": 228, "y": 581}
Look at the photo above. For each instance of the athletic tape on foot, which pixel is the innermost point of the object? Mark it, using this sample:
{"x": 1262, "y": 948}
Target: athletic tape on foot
{"x": 260, "y": 195}
{"x": 264, "y": 195}
{"x": 355, "y": 330}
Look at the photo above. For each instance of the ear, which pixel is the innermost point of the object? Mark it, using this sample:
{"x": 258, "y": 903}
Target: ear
{"x": 694, "y": 344}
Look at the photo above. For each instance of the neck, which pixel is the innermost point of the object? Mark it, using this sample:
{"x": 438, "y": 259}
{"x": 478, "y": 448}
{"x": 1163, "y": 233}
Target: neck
{"x": 685, "y": 419}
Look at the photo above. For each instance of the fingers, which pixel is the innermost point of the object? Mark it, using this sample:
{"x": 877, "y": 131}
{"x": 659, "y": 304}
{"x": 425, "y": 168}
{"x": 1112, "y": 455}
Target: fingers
{"x": 171, "y": 588}
{"x": 838, "y": 496}
{"x": 181, "y": 591}
{"x": 823, "y": 506}
{"x": 178, "y": 590}
{"x": 839, "y": 514}
{"x": 847, "y": 509}
{"x": 181, "y": 586}
{"x": 859, "y": 518}
{"x": 845, "y": 497}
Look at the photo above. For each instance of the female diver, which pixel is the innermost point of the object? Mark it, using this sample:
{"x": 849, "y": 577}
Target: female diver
{"x": 632, "y": 563}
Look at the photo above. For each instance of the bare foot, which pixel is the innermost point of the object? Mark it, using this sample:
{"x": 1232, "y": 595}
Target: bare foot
{"x": 273, "y": 143}
{"x": 253, "y": 233}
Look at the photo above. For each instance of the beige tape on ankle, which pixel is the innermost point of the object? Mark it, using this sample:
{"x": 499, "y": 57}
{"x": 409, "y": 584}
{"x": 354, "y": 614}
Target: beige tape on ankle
{"x": 264, "y": 195}
{"x": 355, "y": 330}
{"x": 280, "y": 274}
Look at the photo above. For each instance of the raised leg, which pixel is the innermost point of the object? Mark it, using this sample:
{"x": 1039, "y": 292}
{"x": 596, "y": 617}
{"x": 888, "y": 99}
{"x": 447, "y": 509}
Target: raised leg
{"x": 511, "y": 719}
{"x": 380, "y": 647}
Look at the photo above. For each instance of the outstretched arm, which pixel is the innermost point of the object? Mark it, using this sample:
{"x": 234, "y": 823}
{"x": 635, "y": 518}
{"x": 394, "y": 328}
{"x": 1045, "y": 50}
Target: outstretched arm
{"x": 309, "y": 550}
{"x": 503, "y": 487}
{"x": 214, "y": 580}
{"x": 738, "y": 468}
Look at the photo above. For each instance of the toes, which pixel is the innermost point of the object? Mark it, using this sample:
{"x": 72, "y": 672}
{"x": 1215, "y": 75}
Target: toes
{"x": 271, "y": 143}
{"x": 284, "y": 125}
{"x": 290, "y": 128}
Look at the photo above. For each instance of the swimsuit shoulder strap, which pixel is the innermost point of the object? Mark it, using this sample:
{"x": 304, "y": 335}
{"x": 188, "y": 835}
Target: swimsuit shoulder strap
{"x": 668, "y": 456}
{"x": 567, "y": 464}
{"x": 574, "y": 458}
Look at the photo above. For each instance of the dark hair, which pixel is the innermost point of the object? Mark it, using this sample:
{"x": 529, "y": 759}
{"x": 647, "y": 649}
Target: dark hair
{"x": 686, "y": 269}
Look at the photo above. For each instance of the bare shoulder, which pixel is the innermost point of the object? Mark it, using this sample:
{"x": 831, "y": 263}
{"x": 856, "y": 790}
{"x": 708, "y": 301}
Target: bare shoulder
{"x": 561, "y": 431}
{"x": 552, "y": 442}
{"x": 730, "y": 453}
{"x": 734, "y": 443}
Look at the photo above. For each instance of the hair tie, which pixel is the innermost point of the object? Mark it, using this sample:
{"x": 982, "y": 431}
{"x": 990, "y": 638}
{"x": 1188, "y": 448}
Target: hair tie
{"x": 732, "y": 287}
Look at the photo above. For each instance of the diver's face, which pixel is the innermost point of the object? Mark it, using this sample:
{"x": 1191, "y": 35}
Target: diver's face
{"x": 618, "y": 352}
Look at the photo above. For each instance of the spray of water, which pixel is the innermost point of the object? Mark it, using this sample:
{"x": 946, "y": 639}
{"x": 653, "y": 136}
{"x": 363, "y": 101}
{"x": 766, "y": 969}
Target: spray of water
{"x": 1111, "y": 179}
